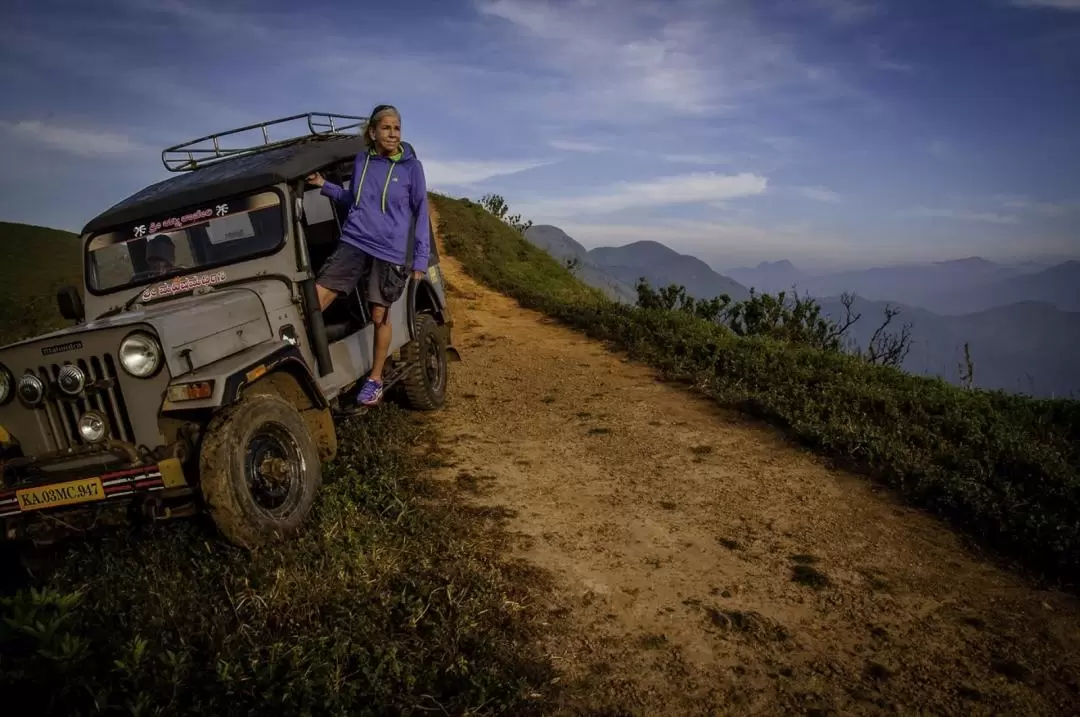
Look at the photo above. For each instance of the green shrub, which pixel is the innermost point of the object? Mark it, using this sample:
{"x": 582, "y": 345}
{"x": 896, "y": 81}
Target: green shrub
{"x": 1003, "y": 468}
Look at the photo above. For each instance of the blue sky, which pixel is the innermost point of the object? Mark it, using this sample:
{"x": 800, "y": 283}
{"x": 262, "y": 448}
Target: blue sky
{"x": 828, "y": 132}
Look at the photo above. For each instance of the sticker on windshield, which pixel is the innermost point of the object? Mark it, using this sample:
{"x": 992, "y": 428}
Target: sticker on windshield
{"x": 182, "y": 221}
{"x": 182, "y": 284}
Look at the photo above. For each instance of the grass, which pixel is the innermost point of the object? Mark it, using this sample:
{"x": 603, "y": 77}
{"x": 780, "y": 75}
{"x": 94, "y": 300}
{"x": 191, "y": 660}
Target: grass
{"x": 1004, "y": 469}
{"x": 393, "y": 601}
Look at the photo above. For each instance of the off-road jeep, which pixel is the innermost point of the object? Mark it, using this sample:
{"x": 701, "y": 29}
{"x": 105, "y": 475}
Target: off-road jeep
{"x": 200, "y": 373}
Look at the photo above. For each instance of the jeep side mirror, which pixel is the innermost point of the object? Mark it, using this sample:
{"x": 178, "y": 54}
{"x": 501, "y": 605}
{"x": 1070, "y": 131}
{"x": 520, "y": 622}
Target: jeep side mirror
{"x": 70, "y": 302}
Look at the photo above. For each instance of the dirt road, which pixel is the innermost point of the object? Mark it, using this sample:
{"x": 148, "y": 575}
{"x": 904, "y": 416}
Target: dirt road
{"x": 708, "y": 567}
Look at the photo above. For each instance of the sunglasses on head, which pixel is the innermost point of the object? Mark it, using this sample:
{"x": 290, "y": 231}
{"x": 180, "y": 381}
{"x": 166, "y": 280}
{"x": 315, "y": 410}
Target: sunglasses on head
{"x": 380, "y": 108}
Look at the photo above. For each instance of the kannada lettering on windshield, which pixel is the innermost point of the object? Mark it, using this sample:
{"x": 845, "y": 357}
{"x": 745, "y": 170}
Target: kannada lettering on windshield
{"x": 219, "y": 210}
{"x": 182, "y": 284}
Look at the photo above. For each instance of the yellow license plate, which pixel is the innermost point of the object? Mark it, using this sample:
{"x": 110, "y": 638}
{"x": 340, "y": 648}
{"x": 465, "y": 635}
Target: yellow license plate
{"x": 57, "y": 494}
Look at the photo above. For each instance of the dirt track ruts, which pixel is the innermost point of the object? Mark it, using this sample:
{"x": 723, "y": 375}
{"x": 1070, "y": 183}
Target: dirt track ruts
{"x": 707, "y": 566}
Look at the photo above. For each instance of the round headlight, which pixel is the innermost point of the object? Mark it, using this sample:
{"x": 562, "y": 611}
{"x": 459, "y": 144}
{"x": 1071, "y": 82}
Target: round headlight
{"x": 140, "y": 355}
{"x": 6, "y": 383}
{"x": 72, "y": 379}
{"x": 31, "y": 389}
{"x": 93, "y": 427}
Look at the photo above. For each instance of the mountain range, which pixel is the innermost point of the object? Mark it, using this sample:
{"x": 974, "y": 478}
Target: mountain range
{"x": 959, "y": 286}
{"x": 616, "y": 270}
{"x": 1021, "y": 322}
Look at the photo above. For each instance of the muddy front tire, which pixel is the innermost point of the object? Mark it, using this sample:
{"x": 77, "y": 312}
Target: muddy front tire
{"x": 259, "y": 470}
{"x": 425, "y": 382}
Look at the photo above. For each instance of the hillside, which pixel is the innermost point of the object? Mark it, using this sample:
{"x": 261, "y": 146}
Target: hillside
{"x": 585, "y": 531}
{"x": 34, "y": 263}
{"x": 662, "y": 266}
{"x": 918, "y": 433}
{"x": 687, "y": 539}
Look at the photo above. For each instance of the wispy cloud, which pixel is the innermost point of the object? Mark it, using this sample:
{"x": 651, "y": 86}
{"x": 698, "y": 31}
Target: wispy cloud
{"x": 465, "y": 173}
{"x": 723, "y": 243}
{"x": 619, "y": 65}
{"x": 665, "y": 191}
{"x": 1046, "y": 209}
{"x": 1051, "y": 4}
{"x": 639, "y": 63}
{"x": 819, "y": 194}
{"x": 960, "y": 215}
{"x": 73, "y": 140}
{"x": 567, "y": 145}
{"x": 844, "y": 12}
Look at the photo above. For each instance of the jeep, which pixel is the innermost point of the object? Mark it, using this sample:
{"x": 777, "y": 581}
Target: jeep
{"x": 199, "y": 374}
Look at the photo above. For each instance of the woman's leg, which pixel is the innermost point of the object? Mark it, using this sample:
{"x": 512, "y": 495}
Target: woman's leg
{"x": 384, "y": 286}
{"x": 383, "y": 333}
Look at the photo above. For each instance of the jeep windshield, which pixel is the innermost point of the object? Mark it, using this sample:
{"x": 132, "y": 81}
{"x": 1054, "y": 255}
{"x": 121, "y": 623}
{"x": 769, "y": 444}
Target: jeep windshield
{"x": 195, "y": 240}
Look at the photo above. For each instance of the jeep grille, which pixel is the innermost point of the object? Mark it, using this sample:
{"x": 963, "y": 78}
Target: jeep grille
{"x": 102, "y": 393}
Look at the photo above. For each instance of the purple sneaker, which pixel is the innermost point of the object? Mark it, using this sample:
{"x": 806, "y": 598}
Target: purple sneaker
{"x": 371, "y": 393}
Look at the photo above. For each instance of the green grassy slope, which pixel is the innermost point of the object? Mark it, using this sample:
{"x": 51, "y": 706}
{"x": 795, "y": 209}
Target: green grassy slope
{"x": 1005, "y": 469}
{"x": 34, "y": 263}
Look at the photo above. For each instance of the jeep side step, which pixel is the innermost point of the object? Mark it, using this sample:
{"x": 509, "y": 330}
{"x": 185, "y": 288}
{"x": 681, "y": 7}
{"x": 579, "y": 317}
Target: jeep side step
{"x": 395, "y": 371}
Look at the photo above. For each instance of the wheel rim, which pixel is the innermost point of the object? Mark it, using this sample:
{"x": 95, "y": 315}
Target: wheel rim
{"x": 433, "y": 364}
{"x": 274, "y": 470}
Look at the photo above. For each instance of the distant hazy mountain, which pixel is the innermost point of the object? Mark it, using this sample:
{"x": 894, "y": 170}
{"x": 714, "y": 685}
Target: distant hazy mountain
{"x": 960, "y": 286}
{"x": 561, "y": 246}
{"x": 769, "y": 276}
{"x": 1022, "y": 323}
{"x": 910, "y": 284}
{"x": 661, "y": 266}
{"x": 1059, "y": 285}
{"x": 1028, "y": 347}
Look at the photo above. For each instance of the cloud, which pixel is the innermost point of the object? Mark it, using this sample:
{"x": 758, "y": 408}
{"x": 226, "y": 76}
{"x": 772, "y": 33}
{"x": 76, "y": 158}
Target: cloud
{"x": 1050, "y": 4}
{"x": 845, "y": 12}
{"x": 643, "y": 63}
{"x": 73, "y": 140}
{"x": 665, "y": 191}
{"x": 1046, "y": 209}
{"x": 576, "y": 146}
{"x": 960, "y": 215}
{"x": 819, "y": 194}
{"x": 724, "y": 243}
{"x": 618, "y": 64}
{"x": 464, "y": 173}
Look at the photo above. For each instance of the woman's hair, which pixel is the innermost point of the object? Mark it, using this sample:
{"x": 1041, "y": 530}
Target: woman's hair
{"x": 373, "y": 120}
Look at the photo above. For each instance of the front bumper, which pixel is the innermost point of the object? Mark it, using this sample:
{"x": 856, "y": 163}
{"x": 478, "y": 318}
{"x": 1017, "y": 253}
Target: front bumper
{"x": 59, "y": 484}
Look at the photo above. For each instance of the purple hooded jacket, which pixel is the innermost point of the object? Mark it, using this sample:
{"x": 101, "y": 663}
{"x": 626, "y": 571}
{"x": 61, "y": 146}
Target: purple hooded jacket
{"x": 386, "y": 193}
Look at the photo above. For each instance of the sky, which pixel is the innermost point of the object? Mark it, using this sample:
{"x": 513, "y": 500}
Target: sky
{"x": 832, "y": 133}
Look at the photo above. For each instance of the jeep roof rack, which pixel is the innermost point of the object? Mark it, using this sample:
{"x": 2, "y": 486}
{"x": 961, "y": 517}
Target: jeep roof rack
{"x": 187, "y": 156}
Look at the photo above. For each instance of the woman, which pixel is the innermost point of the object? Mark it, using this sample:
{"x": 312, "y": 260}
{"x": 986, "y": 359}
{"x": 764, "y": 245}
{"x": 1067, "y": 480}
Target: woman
{"x": 388, "y": 195}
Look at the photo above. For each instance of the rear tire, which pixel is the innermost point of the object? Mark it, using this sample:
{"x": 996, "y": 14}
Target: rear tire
{"x": 259, "y": 470}
{"x": 425, "y": 382}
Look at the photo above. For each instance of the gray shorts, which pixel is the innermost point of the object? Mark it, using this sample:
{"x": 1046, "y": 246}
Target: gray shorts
{"x": 348, "y": 266}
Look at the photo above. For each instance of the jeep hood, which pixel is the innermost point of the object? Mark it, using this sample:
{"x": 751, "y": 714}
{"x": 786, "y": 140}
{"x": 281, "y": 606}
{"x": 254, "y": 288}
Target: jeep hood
{"x": 193, "y": 330}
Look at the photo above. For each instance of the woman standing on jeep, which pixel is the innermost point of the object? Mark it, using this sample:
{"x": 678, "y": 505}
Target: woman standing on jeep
{"x": 387, "y": 199}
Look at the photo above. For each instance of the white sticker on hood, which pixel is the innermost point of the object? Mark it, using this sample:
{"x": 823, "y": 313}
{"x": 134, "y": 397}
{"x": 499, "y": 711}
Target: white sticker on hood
{"x": 182, "y": 284}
